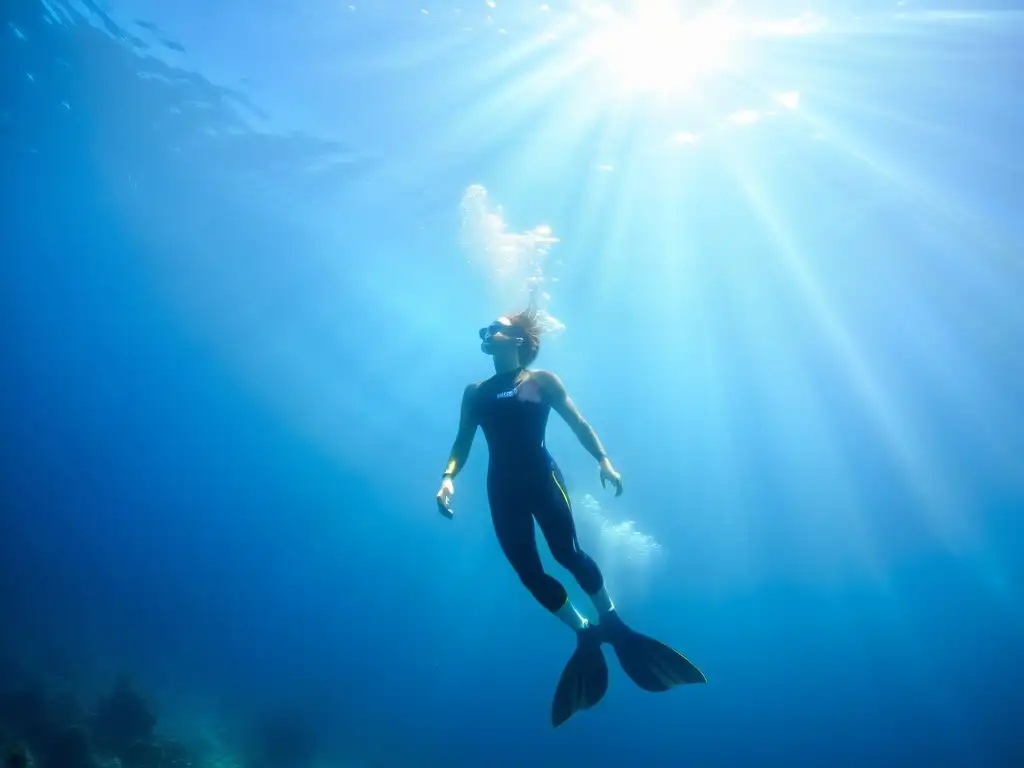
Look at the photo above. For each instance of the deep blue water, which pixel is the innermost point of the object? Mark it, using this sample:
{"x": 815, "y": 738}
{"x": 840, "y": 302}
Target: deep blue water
{"x": 238, "y": 313}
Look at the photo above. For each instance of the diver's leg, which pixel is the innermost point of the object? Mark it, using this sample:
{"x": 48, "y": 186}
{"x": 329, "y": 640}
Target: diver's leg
{"x": 650, "y": 664}
{"x": 584, "y": 680}
{"x": 553, "y": 511}
{"x": 513, "y": 525}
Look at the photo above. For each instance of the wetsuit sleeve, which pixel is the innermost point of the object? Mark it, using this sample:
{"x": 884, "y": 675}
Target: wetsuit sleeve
{"x": 554, "y": 392}
{"x": 468, "y": 423}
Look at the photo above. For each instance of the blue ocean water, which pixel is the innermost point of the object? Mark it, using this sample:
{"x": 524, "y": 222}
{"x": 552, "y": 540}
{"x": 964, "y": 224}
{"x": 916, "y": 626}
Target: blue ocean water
{"x": 245, "y": 251}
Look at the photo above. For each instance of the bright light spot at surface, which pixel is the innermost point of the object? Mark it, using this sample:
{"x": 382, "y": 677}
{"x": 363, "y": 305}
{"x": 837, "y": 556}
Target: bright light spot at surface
{"x": 606, "y": 168}
{"x": 655, "y": 50}
{"x": 685, "y": 138}
{"x": 790, "y": 100}
{"x": 798, "y": 26}
{"x": 745, "y": 117}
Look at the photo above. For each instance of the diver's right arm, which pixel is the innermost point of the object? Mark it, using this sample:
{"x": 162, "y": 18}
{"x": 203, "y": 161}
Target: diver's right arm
{"x": 460, "y": 451}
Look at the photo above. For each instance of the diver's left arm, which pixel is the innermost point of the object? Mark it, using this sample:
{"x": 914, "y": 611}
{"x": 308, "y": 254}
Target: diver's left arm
{"x": 554, "y": 393}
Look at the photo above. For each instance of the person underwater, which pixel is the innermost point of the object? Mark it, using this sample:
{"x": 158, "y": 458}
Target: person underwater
{"x": 525, "y": 484}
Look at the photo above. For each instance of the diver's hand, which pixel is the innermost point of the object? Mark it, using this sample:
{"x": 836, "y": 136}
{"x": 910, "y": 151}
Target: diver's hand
{"x": 609, "y": 475}
{"x": 444, "y": 498}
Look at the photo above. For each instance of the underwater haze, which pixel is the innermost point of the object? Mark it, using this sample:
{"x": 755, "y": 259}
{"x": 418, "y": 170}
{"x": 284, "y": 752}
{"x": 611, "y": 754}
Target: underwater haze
{"x": 244, "y": 254}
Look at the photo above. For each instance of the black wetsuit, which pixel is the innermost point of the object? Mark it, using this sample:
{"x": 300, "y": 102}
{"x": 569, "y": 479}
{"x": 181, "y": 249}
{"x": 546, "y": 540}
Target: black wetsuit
{"x": 523, "y": 484}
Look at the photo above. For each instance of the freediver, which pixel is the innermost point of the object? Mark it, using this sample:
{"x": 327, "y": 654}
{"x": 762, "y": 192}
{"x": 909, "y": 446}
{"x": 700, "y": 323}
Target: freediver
{"x": 524, "y": 484}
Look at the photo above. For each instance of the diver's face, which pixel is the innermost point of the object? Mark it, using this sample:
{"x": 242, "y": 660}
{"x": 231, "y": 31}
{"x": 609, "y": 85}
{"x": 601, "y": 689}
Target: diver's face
{"x": 500, "y": 334}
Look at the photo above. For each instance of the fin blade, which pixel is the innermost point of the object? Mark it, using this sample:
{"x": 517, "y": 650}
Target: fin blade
{"x": 596, "y": 680}
{"x": 654, "y": 666}
{"x": 583, "y": 684}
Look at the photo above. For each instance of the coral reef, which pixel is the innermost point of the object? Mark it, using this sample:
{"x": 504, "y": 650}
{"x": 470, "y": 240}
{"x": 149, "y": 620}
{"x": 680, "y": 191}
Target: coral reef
{"x": 17, "y": 756}
{"x": 44, "y": 725}
{"x": 122, "y": 720}
{"x": 41, "y": 730}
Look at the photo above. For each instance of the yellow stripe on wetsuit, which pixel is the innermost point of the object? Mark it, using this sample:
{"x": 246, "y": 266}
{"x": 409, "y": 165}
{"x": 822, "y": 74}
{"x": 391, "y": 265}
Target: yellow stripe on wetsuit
{"x": 561, "y": 490}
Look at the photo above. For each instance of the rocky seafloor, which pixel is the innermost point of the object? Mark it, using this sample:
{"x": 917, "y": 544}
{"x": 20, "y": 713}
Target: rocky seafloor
{"x": 45, "y": 728}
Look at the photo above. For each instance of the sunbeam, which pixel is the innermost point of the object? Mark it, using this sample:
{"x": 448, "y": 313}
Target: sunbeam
{"x": 939, "y": 501}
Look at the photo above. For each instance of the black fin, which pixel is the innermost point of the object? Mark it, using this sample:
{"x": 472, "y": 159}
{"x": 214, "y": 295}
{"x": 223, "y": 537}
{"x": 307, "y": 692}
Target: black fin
{"x": 584, "y": 680}
{"x": 650, "y": 664}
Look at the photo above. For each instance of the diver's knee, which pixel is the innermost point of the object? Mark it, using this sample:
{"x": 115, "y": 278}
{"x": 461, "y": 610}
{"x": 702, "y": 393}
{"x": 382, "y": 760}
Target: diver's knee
{"x": 570, "y": 558}
{"x": 533, "y": 578}
{"x": 544, "y": 587}
{"x": 584, "y": 570}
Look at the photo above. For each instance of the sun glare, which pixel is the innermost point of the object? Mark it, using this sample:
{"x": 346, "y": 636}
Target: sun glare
{"x": 659, "y": 51}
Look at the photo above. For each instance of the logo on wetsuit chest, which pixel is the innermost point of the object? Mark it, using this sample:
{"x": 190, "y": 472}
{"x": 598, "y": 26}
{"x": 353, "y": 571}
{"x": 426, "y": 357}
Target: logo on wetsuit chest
{"x": 527, "y": 391}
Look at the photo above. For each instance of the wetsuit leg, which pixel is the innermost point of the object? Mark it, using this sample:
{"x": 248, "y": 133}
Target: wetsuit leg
{"x": 513, "y": 524}
{"x": 553, "y": 511}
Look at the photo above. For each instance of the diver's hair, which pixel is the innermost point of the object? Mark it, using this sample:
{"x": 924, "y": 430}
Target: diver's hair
{"x": 529, "y": 321}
